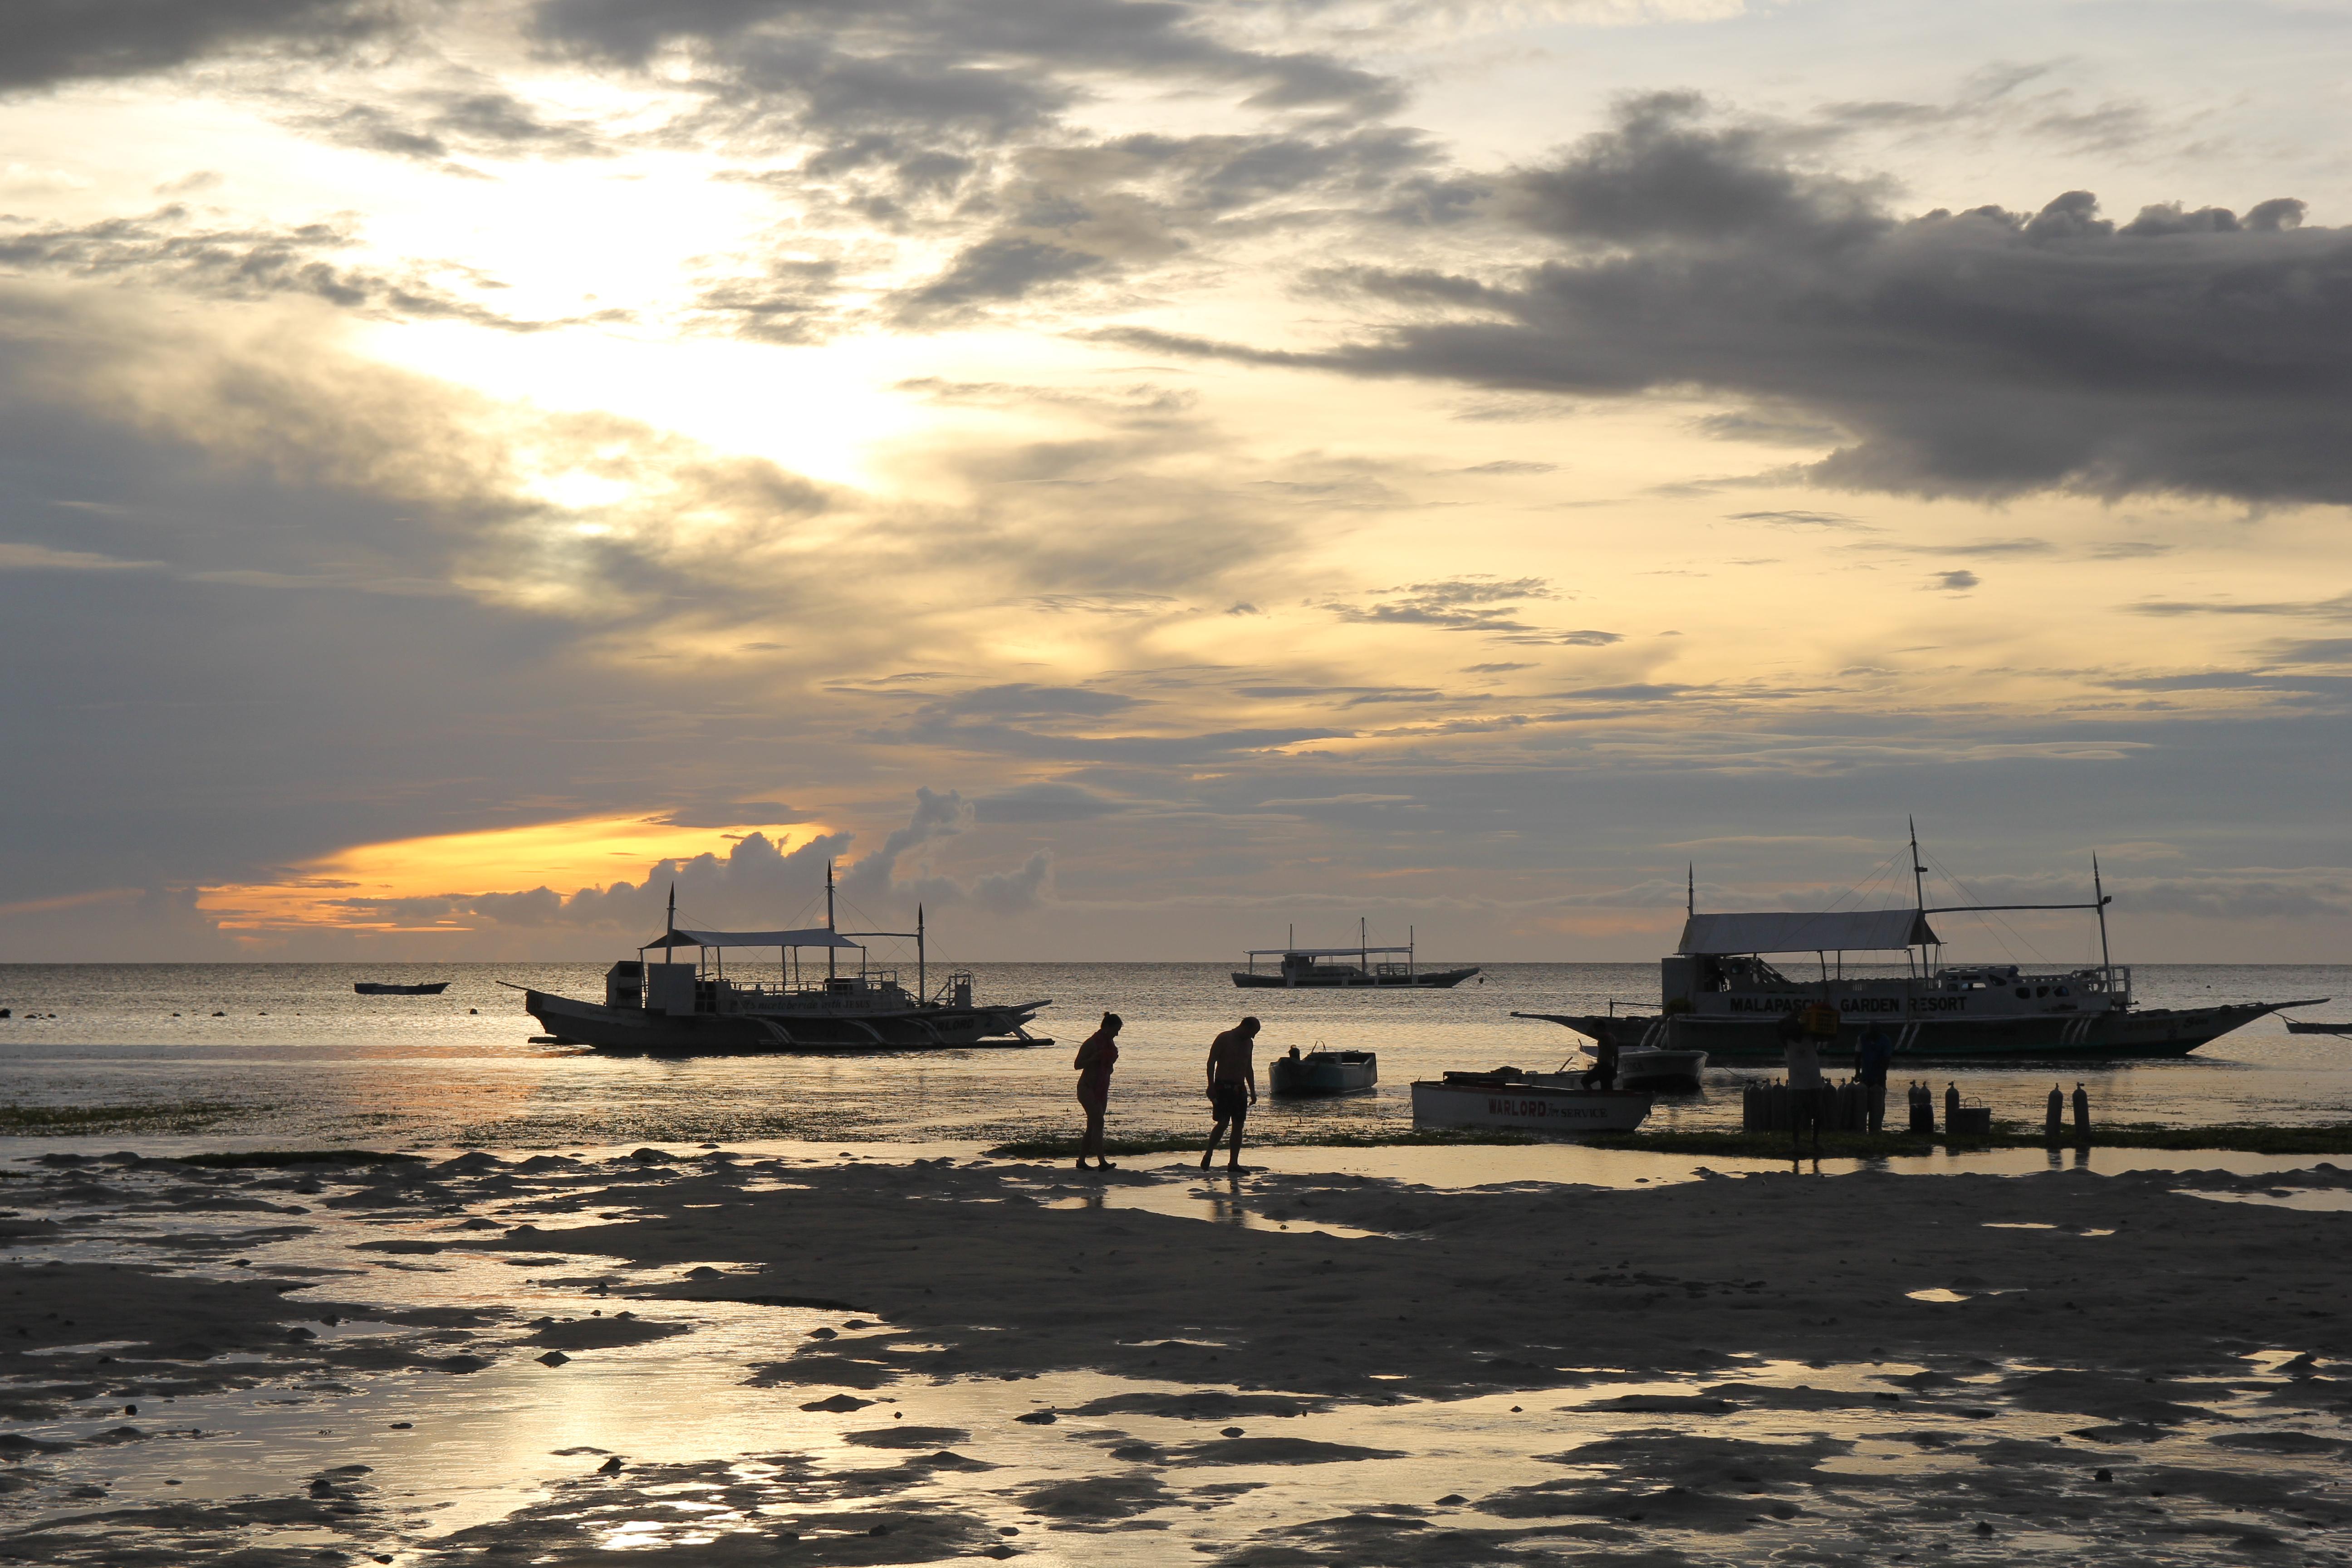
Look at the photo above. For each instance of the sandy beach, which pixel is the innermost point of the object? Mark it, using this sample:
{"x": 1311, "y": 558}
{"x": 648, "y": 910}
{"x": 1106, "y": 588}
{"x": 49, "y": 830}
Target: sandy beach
{"x": 703, "y": 1356}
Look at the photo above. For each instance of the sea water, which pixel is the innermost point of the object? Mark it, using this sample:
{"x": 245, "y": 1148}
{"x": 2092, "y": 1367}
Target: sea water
{"x": 285, "y": 1053}
{"x": 290, "y": 1054}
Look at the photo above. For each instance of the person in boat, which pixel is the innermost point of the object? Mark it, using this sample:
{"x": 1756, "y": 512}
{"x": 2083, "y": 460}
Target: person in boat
{"x": 1232, "y": 1088}
{"x": 1602, "y": 1073}
{"x": 1095, "y": 1060}
{"x": 1871, "y": 1060}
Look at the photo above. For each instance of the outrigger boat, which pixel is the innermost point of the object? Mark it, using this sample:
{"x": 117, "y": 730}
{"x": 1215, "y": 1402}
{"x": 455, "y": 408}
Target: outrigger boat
{"x": 2315, "y": 1026}
{"x": 1372, "y": 966}
{"x": 387, "y": 988}
{"x": 669, "y": 1007}
{"x": 1510, "y": 1097}
{"x": 1718, "y": 993}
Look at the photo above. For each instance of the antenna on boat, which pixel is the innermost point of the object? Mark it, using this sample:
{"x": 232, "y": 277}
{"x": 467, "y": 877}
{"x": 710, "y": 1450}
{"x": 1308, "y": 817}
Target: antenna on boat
{"x": 831, "y": 953}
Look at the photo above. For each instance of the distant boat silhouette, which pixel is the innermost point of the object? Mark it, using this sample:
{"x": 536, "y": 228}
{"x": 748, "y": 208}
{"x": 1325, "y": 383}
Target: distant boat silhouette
{"x": 386, "y": 988}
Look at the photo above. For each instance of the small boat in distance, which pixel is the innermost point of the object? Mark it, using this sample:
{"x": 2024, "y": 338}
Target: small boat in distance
{"x": 1372, "y": 966}
{"x": 386, "y": 988}
{"x": 2315, "y": 1026}
{"x": 1510, "y": 1097}
{"x": 1322, "y": 1071}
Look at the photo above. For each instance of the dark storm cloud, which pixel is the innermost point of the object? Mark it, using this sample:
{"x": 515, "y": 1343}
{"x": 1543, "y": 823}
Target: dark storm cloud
{"x": 43, "y": 42}
{"x": 1982, "y": 353}
{"x": 173, "y": 247}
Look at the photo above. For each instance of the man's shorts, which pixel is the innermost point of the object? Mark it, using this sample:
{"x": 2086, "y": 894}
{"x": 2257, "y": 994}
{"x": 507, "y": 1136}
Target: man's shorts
{"x": 1231, "y": 1100}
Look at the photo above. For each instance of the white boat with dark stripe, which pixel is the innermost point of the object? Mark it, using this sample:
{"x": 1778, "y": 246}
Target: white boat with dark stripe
{"x": 1506, "y": 1098}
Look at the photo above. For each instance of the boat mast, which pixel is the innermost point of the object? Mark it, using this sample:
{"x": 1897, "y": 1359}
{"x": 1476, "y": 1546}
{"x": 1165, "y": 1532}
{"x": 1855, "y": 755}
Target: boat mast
{"x": 2106, "y": 963}
{"x": 831, "y": 951}
{"x": 669, "y": 923}
{"x": 1918, "y": 887}
{"x": 1690, "y": 888}
{"x": 922, "y": 976}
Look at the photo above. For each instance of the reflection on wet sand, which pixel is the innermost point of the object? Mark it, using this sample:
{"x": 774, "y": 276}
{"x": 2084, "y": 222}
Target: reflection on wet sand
{"x": 704, "y": 1357}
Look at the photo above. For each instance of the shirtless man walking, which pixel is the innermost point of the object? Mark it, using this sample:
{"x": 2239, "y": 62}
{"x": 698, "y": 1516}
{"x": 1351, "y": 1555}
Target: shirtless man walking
{"x": 1232, "y": 1088}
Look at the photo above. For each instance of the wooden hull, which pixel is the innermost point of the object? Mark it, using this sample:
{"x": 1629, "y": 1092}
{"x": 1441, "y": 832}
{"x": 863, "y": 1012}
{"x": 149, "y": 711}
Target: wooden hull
{"x": 2304, "y": 1027}
{"x": 2140, "y": 1033}
{"x": 697, "y": 1033}
{"x": 1324, "y": 1072}
{"x": 1428, "y": 980}
{"x": 1531, "y": 1107}
{"x": 379, "y": 988}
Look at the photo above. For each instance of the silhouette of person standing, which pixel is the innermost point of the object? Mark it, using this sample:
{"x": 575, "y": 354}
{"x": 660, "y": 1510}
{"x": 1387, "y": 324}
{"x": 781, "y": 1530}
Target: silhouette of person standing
{"x": 1603, "y": 1074}
{"x": 1232, "y": 1088}
{"x": 1095, "y": 1060}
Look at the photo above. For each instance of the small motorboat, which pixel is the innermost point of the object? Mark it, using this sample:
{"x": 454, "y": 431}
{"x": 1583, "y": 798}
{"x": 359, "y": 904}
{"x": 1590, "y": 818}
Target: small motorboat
{"x": 386, "y": 988}
{"x": 1645, "y": 1063}
{"x": 2315, "y": 1026}
{"x": 1510, "y": 1097}
{"x": 1321, "y": 1071}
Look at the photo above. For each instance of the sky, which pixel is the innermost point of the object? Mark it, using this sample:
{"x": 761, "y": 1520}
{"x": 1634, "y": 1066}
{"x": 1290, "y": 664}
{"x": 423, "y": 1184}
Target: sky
{"x": 1137, "y": 478}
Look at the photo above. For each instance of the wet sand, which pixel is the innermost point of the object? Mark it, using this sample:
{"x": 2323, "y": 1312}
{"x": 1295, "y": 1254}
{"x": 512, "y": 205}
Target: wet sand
{"x": 693, "y": 1356}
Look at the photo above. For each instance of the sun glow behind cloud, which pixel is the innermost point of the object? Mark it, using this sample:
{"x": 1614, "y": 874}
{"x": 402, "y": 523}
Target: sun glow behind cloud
{"x": 362, "y": 889}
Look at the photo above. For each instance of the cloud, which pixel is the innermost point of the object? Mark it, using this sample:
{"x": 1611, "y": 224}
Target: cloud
{"x": 1954, "y": 581}
{"x": 54, "y": 41}
{"x": 1040, "y": 803}
{"x": 170, "y": 248}
{"x": 875, "y": 878}
{"x": 1806, "y": 519}
{"x": 1457, "y": 604}
{"x": 1981, "y": 354}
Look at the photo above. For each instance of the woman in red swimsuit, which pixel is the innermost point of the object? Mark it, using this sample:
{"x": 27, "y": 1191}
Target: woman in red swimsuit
{"x": 1096, "y": 1058}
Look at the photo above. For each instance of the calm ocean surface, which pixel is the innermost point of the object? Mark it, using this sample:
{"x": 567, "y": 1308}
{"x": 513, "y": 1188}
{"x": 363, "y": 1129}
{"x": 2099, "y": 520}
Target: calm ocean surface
{"x": 303, "y": 1059}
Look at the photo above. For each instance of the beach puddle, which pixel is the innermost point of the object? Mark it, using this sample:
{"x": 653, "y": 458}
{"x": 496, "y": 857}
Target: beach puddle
{"x": 2312, "y": 1202}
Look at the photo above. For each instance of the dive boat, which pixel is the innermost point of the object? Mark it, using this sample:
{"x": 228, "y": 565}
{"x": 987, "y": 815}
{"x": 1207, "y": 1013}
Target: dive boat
{"x": 386, "y": 988}
{"x": 1508, "y": 1098}
{"x": 1719, "y": 994}
{"x": 1321, "y": 1071}
{"x": 1322, "y": 966}
{"x": 677, "y": 1008}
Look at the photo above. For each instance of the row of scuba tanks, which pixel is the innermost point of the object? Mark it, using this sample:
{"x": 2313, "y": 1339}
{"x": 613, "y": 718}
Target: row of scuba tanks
{"x": 1770, "y": 1107}
{"x": 1962, "y": 1120}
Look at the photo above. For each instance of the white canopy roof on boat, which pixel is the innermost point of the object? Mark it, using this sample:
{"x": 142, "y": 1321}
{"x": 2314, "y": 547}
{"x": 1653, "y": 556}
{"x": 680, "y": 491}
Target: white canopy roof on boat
{"x": 812, "y": 936}
{"x": 1848, "y": 931}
